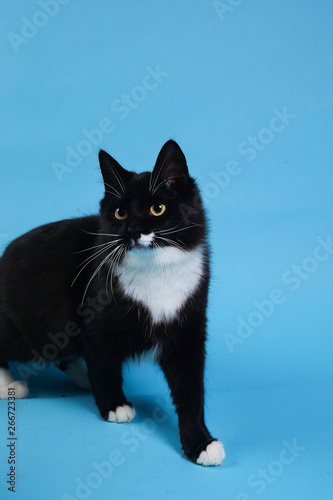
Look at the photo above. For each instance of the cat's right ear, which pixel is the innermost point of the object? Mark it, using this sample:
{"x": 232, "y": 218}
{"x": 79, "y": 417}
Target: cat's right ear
{"x": 170, "y": 169}
{"x": 114, "y": 175}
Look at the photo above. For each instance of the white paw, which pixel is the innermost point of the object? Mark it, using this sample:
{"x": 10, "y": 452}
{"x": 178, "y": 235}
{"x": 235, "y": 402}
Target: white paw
{"x": 213, "y": 455}
{"x": 21, "y": 390}
{"x": 122, "y": 414}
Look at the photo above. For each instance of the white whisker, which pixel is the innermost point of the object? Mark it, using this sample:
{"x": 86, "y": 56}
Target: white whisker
{"x": 100, "y": 234}
{"x": 118, "y": 254}
{"x": 95, "y": 272}
{"x": 163, "y": 182}
{"x": 114, "y": 191}
{"x": 100, "y": 251}
{"x": 113, "y": 194}
{"x": 153, "y": 179}
{"x": 117, "y": 176}
{"x": 177, "y": 230}
{"x": 90, "y": 259}
{"x": 178, "y": 244}
{"x": 96, "y": 246}
{"x": 170, "y": 229}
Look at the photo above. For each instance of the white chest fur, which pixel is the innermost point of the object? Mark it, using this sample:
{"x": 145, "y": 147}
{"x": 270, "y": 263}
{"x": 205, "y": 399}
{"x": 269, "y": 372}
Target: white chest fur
{"x": 161, "y": 279}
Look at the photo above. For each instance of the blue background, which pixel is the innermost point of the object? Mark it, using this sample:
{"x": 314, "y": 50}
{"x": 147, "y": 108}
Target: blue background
{"x": 226, "y": 72}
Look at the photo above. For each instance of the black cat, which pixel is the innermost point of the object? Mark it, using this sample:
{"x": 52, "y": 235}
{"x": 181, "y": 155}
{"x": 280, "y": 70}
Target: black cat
{"x": 143, "y": 263}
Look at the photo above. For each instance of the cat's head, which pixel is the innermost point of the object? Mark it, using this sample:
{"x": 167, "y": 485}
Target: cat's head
{"x": 154, "y": 209}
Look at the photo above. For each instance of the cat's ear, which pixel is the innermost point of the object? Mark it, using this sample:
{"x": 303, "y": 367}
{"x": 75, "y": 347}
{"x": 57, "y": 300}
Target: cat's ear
{"x": 113, "y": 174}
{"x": 171, "y": 169}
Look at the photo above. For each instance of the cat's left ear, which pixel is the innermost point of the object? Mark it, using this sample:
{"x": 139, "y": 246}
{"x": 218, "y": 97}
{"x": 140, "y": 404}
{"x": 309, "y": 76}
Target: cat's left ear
{"x": 171, "y": 169}
{"x": 114, "y": 175}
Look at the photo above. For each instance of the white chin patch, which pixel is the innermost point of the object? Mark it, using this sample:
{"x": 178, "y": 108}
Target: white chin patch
{"x": 146, "y": 239}
{"x": 162, "y": 279}
{"x": 213, "y": 455}
{"x": 122, "y": 414}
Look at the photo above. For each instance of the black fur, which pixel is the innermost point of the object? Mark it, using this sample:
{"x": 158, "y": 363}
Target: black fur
{"x": 47, "y": 312}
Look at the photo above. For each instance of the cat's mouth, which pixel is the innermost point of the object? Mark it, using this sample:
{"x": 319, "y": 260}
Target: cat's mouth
{"x": 139, "y": 246}
{"x": 144, "y": 242}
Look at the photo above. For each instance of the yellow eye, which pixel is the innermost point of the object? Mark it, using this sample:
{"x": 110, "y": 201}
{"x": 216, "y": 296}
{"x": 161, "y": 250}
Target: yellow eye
{"x": 158, "y": 210}
{"x": 120, "y": 214}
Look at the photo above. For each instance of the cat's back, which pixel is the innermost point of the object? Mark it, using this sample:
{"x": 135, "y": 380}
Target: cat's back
{"x": 49, "y": 240}
{"x": 37, "y": 270}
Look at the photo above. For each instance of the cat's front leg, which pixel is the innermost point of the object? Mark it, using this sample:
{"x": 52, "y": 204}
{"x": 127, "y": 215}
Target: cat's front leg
{"x": 106, "y": 380}
{"x": 184, "y": 370}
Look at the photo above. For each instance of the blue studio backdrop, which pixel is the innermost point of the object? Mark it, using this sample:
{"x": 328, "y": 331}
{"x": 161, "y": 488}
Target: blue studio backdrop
{"x": 245, "y": 88}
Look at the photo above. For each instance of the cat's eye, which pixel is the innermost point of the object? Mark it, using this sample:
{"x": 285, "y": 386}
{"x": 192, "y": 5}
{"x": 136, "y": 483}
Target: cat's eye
{"x": 120, "y": 214}
{"x": 158, "y": 209}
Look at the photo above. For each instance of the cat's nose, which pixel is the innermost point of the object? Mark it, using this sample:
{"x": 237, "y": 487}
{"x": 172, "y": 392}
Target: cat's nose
{"x": 134, "y": 234}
